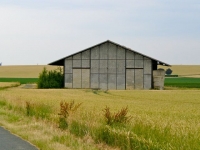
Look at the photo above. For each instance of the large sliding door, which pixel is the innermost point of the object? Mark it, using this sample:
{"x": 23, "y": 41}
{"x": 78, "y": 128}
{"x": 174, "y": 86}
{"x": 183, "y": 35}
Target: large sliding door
{"x": 134, "y": 79}
{"x": 81, "y": 78}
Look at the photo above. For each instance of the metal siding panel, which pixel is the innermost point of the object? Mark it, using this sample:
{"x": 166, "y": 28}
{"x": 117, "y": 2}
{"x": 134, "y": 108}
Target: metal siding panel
{"x": 147, "y": 67}
{"x": 112, "y": 81}
{"x": 121, "y": 53}
{"x": 130, "y": 54}
{"x": 94, "y": 66}
{"x": 94, "y": 80}
{"x": 103, "y": 66}
{"x": 139, "y": 63}
{"x": 112, "y": 66}
{"x": 68, "y": 80}
{"x": 77, "y": 56}
{"x": 68, "y": 66}
{"x": 76, "y": 78}
{"x": 121, "y": 81}
{"x": 77, "y": 63}
{"x": 85, "y": 78}
{"x": 95, "y": 53}
{"x": 130, "y": 63}
{"x": 85, "y": 63}
{"x": 112, "y": 53}
{"x": 138, "y": 56}
{"x": 147, "y": 82}
{"x": 121, "y": 66}
{"x": 86, "y": 54}
{"x": 130, "y": 79}
{"x": 104, "y": 51}
{"x": 139, "y": 78}
{"x": 103, "y": 81}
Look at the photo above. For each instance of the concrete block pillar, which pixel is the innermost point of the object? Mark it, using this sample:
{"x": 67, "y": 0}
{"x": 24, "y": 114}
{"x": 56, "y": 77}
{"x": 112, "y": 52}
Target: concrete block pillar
{"x": 158, "y": 79}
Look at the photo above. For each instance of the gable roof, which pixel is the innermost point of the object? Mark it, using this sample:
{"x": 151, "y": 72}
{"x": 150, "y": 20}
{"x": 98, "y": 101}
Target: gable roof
{"x": 60, "y": 62}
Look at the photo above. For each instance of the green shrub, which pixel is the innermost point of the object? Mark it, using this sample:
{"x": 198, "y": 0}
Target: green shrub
{"x": 51, "y": 79}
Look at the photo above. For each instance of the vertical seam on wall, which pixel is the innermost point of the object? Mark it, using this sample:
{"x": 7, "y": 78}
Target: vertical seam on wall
{"x": 81, "y": 71}
{"x": 99, "y": 68}
{"x": 143, "y": 72}
{"x": 107, "y": 63}
{"x": 64, "y": 72}
{"x": 72, "y": 72}
{"x": 125, "y": 67}
{"x": 90, "y": 59}
{"x": 116, "y": 66}
{"x": 134, "y": 70}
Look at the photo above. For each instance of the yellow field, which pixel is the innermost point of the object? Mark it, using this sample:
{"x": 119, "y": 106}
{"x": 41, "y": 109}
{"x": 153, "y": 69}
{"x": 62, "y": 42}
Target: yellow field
{"x": 185, "y": 70}
{"x": 167, "y": 119}
{"x": 29, "y": 71}
{"x": 8, "y": 84}
{"x": 32, "y": 71}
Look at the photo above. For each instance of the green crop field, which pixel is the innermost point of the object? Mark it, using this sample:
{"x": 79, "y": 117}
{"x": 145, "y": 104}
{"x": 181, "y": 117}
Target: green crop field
{"x": 183, "y": 82}
{"x": 20, "y": 80}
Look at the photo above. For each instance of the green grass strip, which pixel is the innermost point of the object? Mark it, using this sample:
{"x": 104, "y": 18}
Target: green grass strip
{"x": 21, "y": 80}
{"x": 183, "y": 82}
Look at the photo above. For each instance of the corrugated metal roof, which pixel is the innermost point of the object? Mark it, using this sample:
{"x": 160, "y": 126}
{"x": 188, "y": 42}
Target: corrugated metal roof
{"x": 60, "y": 62}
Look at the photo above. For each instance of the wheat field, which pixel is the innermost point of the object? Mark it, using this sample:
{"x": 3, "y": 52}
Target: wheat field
{"x": 23, "y": 71}
{"x": 184, "y": 70}
{"x": 168, "y": 119}
{"x": 32, "y": 71}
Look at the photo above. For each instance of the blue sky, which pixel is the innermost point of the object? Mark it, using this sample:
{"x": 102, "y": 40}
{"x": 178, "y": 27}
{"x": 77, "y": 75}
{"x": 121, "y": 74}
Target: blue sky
{"x": 41, "y": 31}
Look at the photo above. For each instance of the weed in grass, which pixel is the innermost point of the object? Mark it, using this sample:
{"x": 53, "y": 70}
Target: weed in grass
{"x": 65, "y": 110}
{"x": 78, "y": 129}
{"x": 116, "y": 118}
{"x": 39, "y": 111}
{"x": 2, "y": 103}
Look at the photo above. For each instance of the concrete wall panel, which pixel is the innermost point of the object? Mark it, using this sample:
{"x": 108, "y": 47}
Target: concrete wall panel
{"x": 121, "y": 81}
{"x": 139, "y": 63}
{"x": 130, "y": 54}
{"x": 112, "y": 81}
{"x": 103, "y": 81}
{"x": 77, "y": 56}
{"x": 120, "y": 53}
{"x": 68, "y": 80}
{"x": 104, "y": 51}
{"x": 112, "y": 52}
{"x": 77, "y": 63}
{"x": 147, "y": 82}
{"x": 130, "y": 63}
{"x": 138, "y": 78}
{"x": 86, "y": 54}
{"x": 103, "y": 66}
{"x": 76, "y": 78}
{"x": 85, "y": 63}
{"x": 121, "y": 66}
{"x": 147, "y": 67}
{"x": 85, "y": 78}
{"x": 95, "y": 53}
{"x": 138, "y": 56}
{"x": 94, "y": 66}
{"x": 68, "y": 66}
{"x": 94, "y": 80}
{"x": 130, "y": 79}
{"x": 112, "y": 66}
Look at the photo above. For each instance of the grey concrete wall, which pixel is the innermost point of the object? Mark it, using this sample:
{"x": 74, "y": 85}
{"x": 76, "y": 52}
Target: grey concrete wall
{"x": 85, "y": 78}
{"x": 139, "y": 80}
{"x": 130, "y": 79}
{"x": 108, "y": 66}
{"x": 77, "y": 78}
